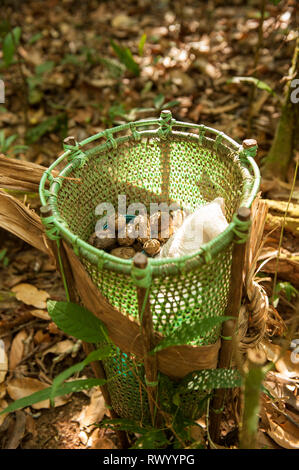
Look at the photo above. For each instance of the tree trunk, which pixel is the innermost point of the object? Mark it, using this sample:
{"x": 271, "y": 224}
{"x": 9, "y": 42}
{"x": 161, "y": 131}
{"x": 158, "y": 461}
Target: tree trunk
{"x": 281, "y": 151}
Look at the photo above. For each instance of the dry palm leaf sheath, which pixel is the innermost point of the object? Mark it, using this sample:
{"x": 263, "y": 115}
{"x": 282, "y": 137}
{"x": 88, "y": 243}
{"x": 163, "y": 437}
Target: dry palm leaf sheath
{"x": 143, "y": 301}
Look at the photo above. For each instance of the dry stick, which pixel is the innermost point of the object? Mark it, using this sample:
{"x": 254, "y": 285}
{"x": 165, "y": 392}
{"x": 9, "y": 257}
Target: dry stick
{"x": 150, "y": 361}
{"x": 229, "y": 327}
{"x": 97, "y": 367}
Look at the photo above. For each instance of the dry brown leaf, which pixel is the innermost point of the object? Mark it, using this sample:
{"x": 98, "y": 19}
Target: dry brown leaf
{"x": 3, "y": 405}
{"x": 20, "y": 388}
{"x": 17, "y": 433}
{"x": 22, "y": 222}
{"x": 283, "y": 364}
{"x": 94, "y": 412}
{"x": 17, "y": 349}
{"x": 40, "y": 314}
{"x": 30, "y": 295}
{"x": 3, "y": 361}
{"x": 60, "y": 348}
{"x": 96, "y": 441}
{"x": 103, "y": 443}
{"x": 286, "y": 434}
{"x": 2, "y": 390}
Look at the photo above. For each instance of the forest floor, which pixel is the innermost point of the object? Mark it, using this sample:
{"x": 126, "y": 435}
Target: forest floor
{"x": 68, "y": 80}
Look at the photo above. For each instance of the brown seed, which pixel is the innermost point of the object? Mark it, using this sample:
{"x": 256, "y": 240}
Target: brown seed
{"x": 101, "y": 240}
{"x": 152, "y": 247}
{"x": 118, "y": 220}
{"x": 124, "y": 252}
{"x": 141, "y": 224}
{"x": 165, "y": 227}
{"x": 129, "y": 239}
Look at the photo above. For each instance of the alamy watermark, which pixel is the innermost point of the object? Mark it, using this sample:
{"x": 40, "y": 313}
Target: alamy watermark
{"x": 2, "y": 92}
{"x": 295, "y": 352}
{"x": 132, "y": 221}
{"x": 295, "y": 93}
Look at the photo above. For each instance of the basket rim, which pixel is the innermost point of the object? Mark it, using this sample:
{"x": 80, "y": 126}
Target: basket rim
{"x": 75, "y": 155}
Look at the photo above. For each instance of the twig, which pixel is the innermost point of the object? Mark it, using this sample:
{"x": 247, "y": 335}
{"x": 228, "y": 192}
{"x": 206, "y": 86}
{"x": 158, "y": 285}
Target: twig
{"x": 282, "y": 231}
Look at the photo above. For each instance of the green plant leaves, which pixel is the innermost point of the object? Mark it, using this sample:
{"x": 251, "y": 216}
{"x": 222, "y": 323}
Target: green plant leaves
{"x": 189, "y": 332}
{"x": 77, "y": 321}
{"x": 150, "y": 438}
{"x": 125, "y": 56}
{"x": 96, "y": 355}
{"x": 69, "y": 387}
{"x": 49, "y": 125}
{"x": 141, "y": 44}
{"x": 10, "y": 43}
{"x": 258, "y": 83}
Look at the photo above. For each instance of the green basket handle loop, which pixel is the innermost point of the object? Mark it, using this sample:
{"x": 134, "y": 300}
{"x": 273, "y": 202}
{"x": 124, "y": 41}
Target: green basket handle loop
{"x": 136, "y": 135}
{"x": 201, "y": 133}
{"x": 218, "y": 140}
{"x": 142, "y": 277}
{"x": 110, "y": 139}
{"x": 248, "y": 149}
{"x": 241, "y": 229}
{"x": 76, "y": 155}
{"x": 165, "y": 124}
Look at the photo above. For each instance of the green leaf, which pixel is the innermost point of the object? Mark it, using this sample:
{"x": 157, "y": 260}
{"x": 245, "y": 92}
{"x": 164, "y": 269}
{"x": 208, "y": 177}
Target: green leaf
{"x": 3, "y": 253}
{"x": 141, "y": 44}
{"x": 96, "y": 355}
{"x": 153, "y": 439}
{"x": 123, "y": 425}
{"x": 49, "y": 125}
{"x": 10, "y": 43}
{"x": 69, "y": 387}
{"x": 20, "y": 149}
{"x": 10, "y": 140}
{"x": 125, "y": 56}
{"x": 159, "y": 100}
{"x": 286, "y": 287}
{"x": 189, "y": 332}
{"x": 170, "y": 104}
{"x": 35, "y": 38}
{"x": 4, "y": 28}
{"x": 45, "y": 67}
{"x": 258, "y": 83}
{"x": 77, "y": 321}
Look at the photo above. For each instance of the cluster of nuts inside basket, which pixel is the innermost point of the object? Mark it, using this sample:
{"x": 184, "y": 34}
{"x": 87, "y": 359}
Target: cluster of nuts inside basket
{"x": 164, "y": 235}
{"x": 142, "y": 233}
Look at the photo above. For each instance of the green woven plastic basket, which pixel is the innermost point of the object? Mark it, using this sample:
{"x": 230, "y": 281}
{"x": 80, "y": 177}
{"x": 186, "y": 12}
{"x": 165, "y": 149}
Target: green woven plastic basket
{"x": 155, "y": 160}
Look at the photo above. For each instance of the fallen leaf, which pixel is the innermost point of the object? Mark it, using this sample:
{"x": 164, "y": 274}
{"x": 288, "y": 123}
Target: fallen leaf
{"x": 31, "y": 425}
{"x": 41, "y": 337}
{"x": 30, "y": 295}
{"x": 17, "y": 349}
{"x": 43, "y": 314}
{"x": 285, "y": 434}
{"x": 182, "y": 80}
{"x": 122, "y": 21}
{"x": 94, "y": 412}
{"x": 60, "y": 348}
{"x": 3, "y": 405}
{"x": 83, "y": 437}
{"x": 283, "y": 364}
{"x": 3, "y": 361}
{"x": 18, "y": 431}
{"x": 96, "y": 441}
{"x": 2, "y": 390}
{"x": 20, "y": 388}
{"x": 103, "y": 443}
